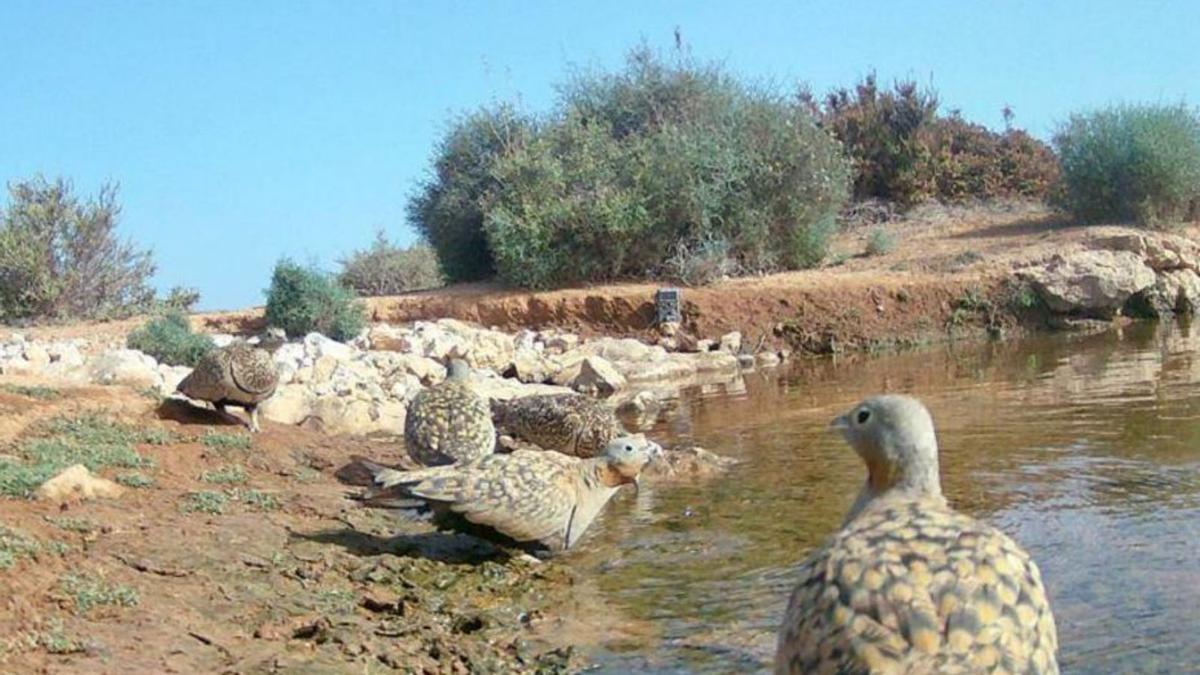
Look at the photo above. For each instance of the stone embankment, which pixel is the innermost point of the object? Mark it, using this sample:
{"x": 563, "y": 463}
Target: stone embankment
{"x": 364, "y": 386}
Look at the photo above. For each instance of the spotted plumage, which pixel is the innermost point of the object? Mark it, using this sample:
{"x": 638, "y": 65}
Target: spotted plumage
{"x": 908, "y": 585}
{"x": 449, "y": 423}
{"x": 238, "y": 374}
{"x": 569, "y": 423}
{"x": 541, "y": 501}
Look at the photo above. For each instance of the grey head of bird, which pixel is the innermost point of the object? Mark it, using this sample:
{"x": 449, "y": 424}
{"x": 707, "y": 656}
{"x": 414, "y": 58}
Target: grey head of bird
{"x": 895, "y": 437}
{"x": 624, "y": 458}
{"x": 458, "y": 371}
{"x": 272, "y": 338}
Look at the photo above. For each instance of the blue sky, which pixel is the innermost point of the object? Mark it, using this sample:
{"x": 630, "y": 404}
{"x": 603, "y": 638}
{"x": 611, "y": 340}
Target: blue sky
{"x": 245, "y": 131}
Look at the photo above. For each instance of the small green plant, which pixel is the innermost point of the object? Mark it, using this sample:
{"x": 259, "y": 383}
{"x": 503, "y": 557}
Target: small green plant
{"x": 90, "y": 592}
{"x": 387, "y": 269}
{"x": 1132, "y": 163}
{"x": 80, "y": 525}
{"x": 16, "y": 545}
{"x": 169, "y": 338}
{"x": 90, "y": 440}
{"x": 233, "y": 473}
{"x": 54, "y": 640}
{"x": 302, "y": 300}
{"x": 880, "y": 242}
{"x": 225, "y": 441}
{"x": 307, "y": 474}
{"x": 256, "y": 500}
{"x": 204, "y": 501}
{"x": 134, "y": 480}
{"x": 39, "y": 392}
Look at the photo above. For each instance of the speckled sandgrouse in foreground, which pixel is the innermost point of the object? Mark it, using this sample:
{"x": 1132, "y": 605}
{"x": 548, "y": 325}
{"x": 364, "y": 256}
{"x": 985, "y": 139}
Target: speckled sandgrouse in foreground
{"x": 538, "y": 501}
{"x": 238, "y": 374}
{"x": 449, "y": 423}
{"x": 572, "y": 424}
{"x": 908, "y": 585}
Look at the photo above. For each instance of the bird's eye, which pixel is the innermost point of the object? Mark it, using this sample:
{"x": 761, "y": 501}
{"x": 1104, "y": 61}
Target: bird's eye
{"x": 629, "y": 448}
{"x": 862, "y": 416}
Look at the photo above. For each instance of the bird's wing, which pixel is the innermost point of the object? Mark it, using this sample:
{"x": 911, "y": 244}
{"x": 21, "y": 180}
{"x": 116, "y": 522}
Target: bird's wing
{"x": 206, "y": 382}
{"x": 521, "y": 495}
{"x": 253, "y": 371}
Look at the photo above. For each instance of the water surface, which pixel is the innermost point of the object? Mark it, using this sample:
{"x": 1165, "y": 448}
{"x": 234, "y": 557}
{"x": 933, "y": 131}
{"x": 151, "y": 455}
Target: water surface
{"x": 1086, "y": 449}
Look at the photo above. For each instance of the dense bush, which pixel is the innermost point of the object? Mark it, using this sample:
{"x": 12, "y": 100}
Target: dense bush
{"x": 302, "y": 300}
{"x": 169, "y": 338}
{"x": 448, "y": 209}
{"x": 1132, "y": 164}
{"x": 905, "y": 152}
{"x": 60, "y": 256}
{"x": 632, "y": 166}
{"x": 387, "y": 269}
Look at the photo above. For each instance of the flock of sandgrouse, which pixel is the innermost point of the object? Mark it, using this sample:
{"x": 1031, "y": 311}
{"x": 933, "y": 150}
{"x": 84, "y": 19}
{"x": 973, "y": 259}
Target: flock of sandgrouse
{"x": 907, "y": 585}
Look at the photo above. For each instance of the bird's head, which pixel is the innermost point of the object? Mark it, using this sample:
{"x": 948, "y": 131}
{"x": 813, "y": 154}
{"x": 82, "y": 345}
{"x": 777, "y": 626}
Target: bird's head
{"x": 895, "y": 438}
{"x": 625, "y": 457}
{"x": 458, "y": 371}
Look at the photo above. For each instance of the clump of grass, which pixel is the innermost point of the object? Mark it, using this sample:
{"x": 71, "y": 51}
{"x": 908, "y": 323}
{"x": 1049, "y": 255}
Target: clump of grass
{"x": 223, "y": 441}
{"x": 204, "y": 501}
{"x": 55, "y": 640}
{"x": 81, "y": 525}
{"x": 90, "y": 592}
{"x": 16, "y": 545}
{"x": 39, "y": 392}
{"x": 307, "y": 474}
{"x": 233, "y": 473}
{"x": 880, "y": 242}
{"x": 256, "y": 500}
{"x": 90, "y": 440}
{"x": 134, "y": 480}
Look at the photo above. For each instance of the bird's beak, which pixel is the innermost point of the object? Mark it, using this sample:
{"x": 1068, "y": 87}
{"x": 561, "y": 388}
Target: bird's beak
{"x": 839, "y": 423}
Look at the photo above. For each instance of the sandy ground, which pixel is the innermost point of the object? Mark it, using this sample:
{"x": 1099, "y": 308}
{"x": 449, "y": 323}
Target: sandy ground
{"x": 305, "y": 581}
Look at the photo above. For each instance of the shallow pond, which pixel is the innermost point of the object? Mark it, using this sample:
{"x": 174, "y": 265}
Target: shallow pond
{"x": 1086, "y": 449}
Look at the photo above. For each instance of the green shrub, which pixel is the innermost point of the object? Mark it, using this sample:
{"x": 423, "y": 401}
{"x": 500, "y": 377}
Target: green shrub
{"x": 1132, "y": 163}
{"x": 60, "y": 257}
{"x": 633, "y": 163}
{"x": 169, "y": 338}
{"x": 387, "y": 269}
{"x": 905, "y": 152}
{"x": 448, "y": 209}
{"x": 880, "y": 242}
{"x": 302, "y": 300}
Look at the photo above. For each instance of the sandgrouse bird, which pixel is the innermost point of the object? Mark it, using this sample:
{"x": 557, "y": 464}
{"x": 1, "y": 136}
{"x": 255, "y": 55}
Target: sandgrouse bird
{"x": 449, "y": 423}
{"x": 238, "y": 374}
{"x": 908, "y": 585}
{"x": 573, "y": 424}
{"x": 538, "y": 501}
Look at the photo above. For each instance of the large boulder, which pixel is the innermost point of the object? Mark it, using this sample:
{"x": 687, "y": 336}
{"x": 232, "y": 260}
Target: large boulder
{"x": 1161, "y": 252}
{"x": 598, "y": 376}
{"x": 1094, "y": 283}
{"x": 291, "y": 404}
{"x": 317, "y": 345}
{"x": 126, "y": 366}
{"x": 77, "y": 483}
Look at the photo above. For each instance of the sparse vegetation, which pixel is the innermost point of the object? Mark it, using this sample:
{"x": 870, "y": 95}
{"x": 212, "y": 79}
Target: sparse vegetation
{"x": 880, "y": 242}
{"x": 170, "y": 340}
{"x": 39, "y": 392}
{"x": 302, "y": 300}
{"x": 1132, "y": 164}
{"x": 80, "y": 525}
{"x": 90, "y": 592}
{"x": 90, "y": 440}
{"x": 256, "y": 500}
{"x": 233, "y": 473}
{"x": 134, "y": 480}
{"x": 60, "y": 257}
{"x": 388, "y": 269}
{"x": 225, "y": 441}
{"x": 16, "y": 545}
{"x": 204, "y": 501}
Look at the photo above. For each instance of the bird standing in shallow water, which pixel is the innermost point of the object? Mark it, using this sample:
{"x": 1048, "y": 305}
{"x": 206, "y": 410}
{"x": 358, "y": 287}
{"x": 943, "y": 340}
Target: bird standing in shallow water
{"x": 541, "y": 501}
{"x": 238, "y": 374}
{"x": 572, "y": 424}
{"x": 908, "y": 585}
{"x": 449, "y": 423}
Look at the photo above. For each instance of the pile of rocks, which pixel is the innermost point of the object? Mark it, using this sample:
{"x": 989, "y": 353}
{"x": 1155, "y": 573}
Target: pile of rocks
{"x": 365, "y": 386}
{"x": 1148, "y": 274}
